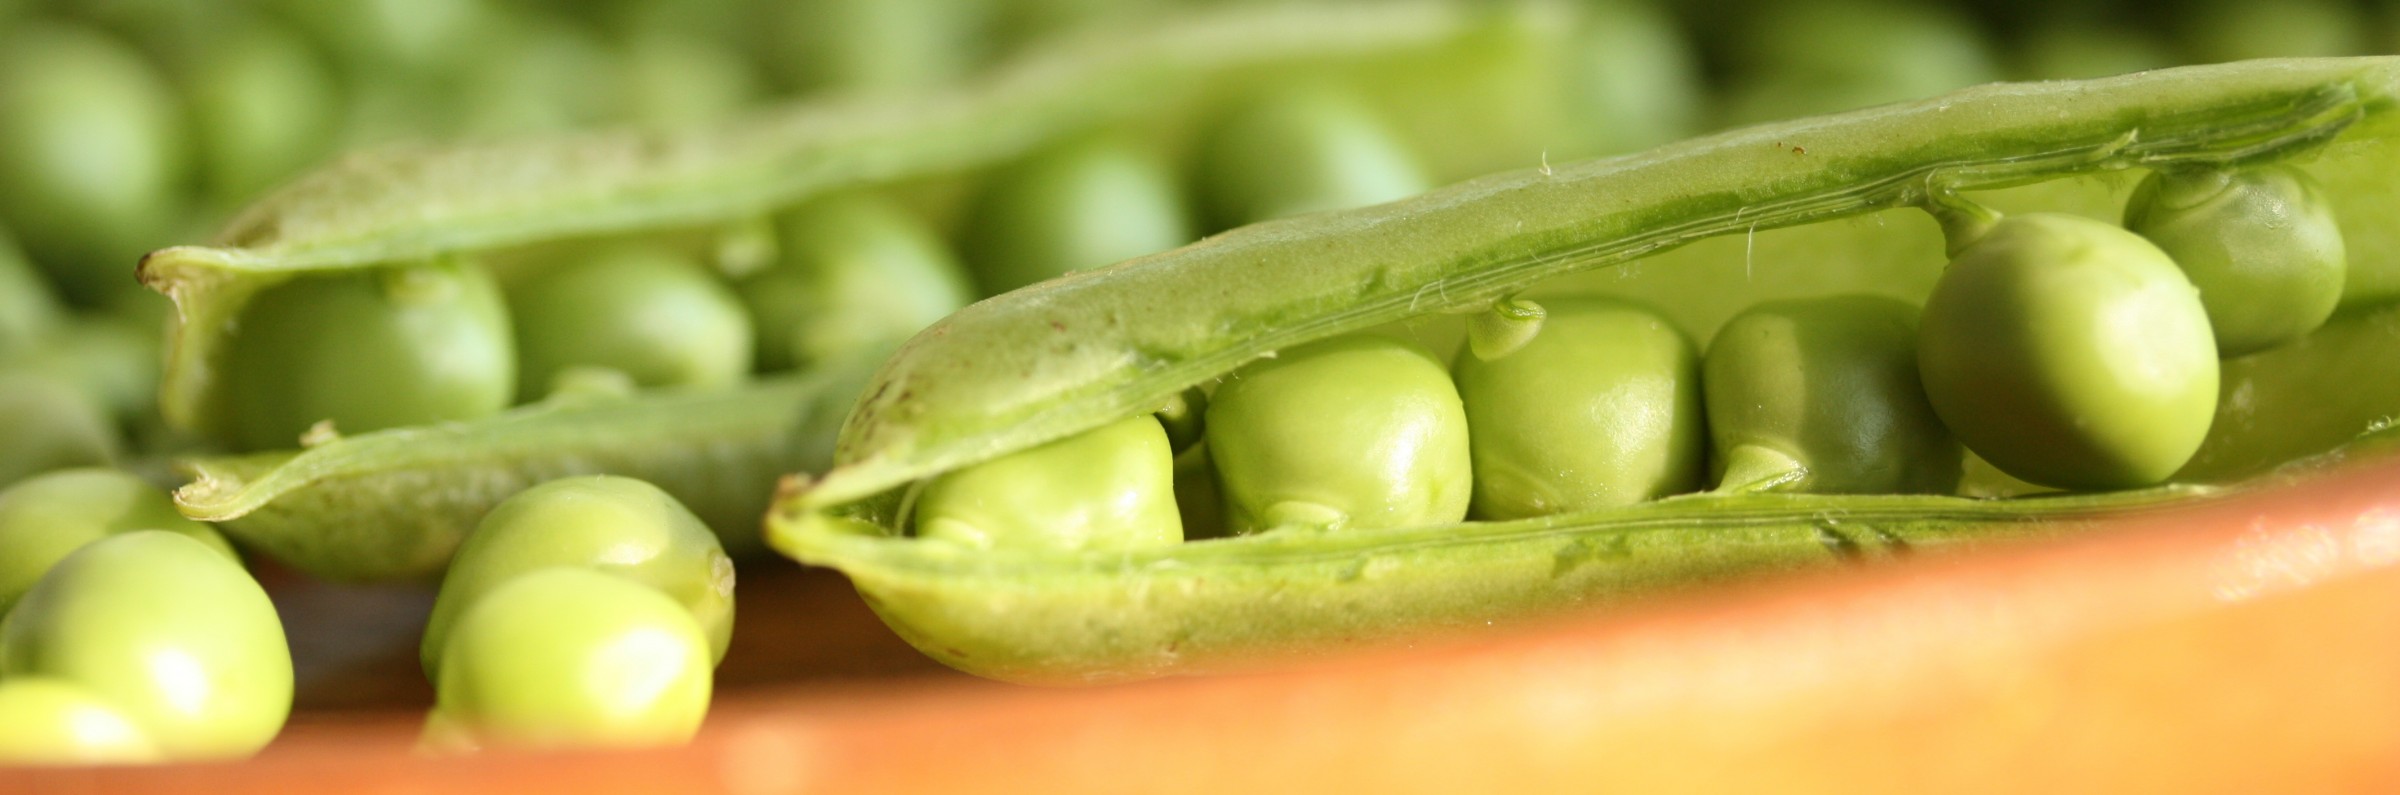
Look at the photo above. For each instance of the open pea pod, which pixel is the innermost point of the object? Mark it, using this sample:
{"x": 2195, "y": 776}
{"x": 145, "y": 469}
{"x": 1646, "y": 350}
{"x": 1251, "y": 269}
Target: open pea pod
{"x": 1704, "y": 227}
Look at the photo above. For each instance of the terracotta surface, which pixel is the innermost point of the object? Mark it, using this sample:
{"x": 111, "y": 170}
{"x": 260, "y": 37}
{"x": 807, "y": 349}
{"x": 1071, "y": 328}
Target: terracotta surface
{"x": 2252, "y": 647}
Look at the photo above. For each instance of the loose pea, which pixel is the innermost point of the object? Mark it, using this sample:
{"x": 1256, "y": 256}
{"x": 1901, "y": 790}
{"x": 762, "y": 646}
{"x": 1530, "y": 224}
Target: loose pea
{"x": 1080, "y": 206}
{"x": 1599, "y": 407}
{"x": 263, "y": 106}
{"x": 648, "y": 313}
{"x": 47, "y": 424}
{"x": 167, "y": 629}
{"x": 1110, "y": 488}
{"x": 1798, "y": 59}
{"x": 2069, "y": 352}
{"x": 1361, "y": 432}
{"x": 856, "y": 271}
{"x": 567, "y": 657}
{"x": 46, "y": 721}
{"x": 2215, "y": 31}
{"x": 404, "y": 345}
{"x": 1635, "y": 78}
{"x": 43, "y": 518}
{"x": 1822, "y": 395}
{"x": 1301, "y": 150}
{"x": 533, "y": 72}
{"x": 678, "y": 81}
{"x": 614, "y": 525}
{"x": 2260, "y": 243}
{"x": 869, "y": 46}
{"x": 28, "y": 310}
{"x": 90, "y": 152}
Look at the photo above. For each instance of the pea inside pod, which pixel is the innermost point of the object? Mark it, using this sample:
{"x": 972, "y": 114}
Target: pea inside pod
{"x": 1302, "y": 149}
{"x": 1823, "y": 395}
{"x": 647, "y": 313}
{"x": 2259, "y": 243}
{"x": 1356, "y": 433}
{"x": 1109, "y": 488}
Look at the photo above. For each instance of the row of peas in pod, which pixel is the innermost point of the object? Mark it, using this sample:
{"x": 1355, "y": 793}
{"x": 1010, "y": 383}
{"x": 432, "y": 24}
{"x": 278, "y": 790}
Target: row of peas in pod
{"x": 2065, "y": 351}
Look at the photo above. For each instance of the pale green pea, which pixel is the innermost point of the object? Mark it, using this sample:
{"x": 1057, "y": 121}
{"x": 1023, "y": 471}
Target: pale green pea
{"x": 676, "y": 81}
{"x": 651, "y": 314}
{"x": 48, "y": 424}
{"x": 1076, "y": 207}
{"x": 1598, "y": 407}
{"x": 568, "y": 657}
{"x": 1110, "y": 488}
{"x": 1822, "y": 395}
{"x": 46, "y": 721}
{"x": 48, "y": 516}
{"x": 1636, "y": 81}
{"x": 28, "y": 309}
{"x": 1298, "y": 150}
{"x": 614, "y": 525}
{"x": 1361, "y": 432}
{"x": 2260, "y": 243}
{"x": 2069, "y": 352}
{"x": 167, "y": 629}
{"x": 530, "y": 72}
{"x": 403, "y": 345}
{"x": 856, "y": 271}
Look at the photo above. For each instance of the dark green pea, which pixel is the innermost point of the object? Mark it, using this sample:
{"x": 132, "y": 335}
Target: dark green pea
{"x": 1361, "y": 432}
{"x": 856, "y": 271}
{"x": 569, "y": 657}
{"x": 402, "y": 345}
{"x": 2069, "y": 352}
{"x": 28, "y": 310}
{"x": 613, "y": 525}
{"x": 264, "y": 105}
{"x": 91, "y": 153}
{"x": 2260, "y": 243}
{"x": 167, "y": 629}
{"x": 1822, "y": 395}
{"x": 2216, "y": 31}
{"x": 651, "y": 314}
{"x": 46, "y": 721}
{"x": 1599, "y": 406}
{"x": 2068, "y": 48}
{"x": 47, "y": 424}
{"x": 43, "y": 518}
{"x": 1301, "y": 150}
{"x": 1080, "y": 206}
{"x": 1110, "y": 488}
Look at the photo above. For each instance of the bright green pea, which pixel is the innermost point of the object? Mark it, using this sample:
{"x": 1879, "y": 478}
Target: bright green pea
{"x": 45, "y": 517}
{"x": 48, "y": 424}
{"x": 2260, "y": 243}
{"x": 1300, "y": 150}
{"x": 45, "y": 721}
{"x": 1080, "y": 206}
{"x": 167, "y": 629}
{"x": 404, "y": 345}
{"x": 1599, "y": 407}
{"x": 856, "y": 272}
{"x": 90, "y": 153}
{"x": 1361, "y": 432}
{"x": 263, "y": 106}
{"x": 569, "y": 657}
{"x": 649, "y": 313}
{"x": 2070, "y": 353}
{"x": 609, "y": 524}
{"x": 1822, "y": 395}
{"x": 1110, "y": 488}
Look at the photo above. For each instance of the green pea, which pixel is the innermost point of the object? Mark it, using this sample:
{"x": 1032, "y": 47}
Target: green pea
{"x": 534, "y": 73}
{"x": 2214, "y": 31}
{"x": 167, "y": 629}
{"x": 45, "y": 721}
{"x": 856, "y": 271}
{"x": 609, "y": 524}
{"x": 90, "y": 152}
{"x": 48, "y": 424}
{"x": 678, "y": 81}
{"x": 568, "y": 657}
{"x": 43, "y": 518}
{"x": 1076, "y": 207}
{"x": 1798, "y": 59}
{"x": 404, "y": 345}
{"x": 1822, "y": 395}
{"x": 1361, "y": 432}
{"x": 114, "y": 362}
{"x": 28, "y": 310}
{"x": 2260, "y": 243}
{"x": 1110, "y": 488}
{"x": 1635, "y": 78}
{"x": 2074, "y": 48}
{"x": 1599, "y": 407}
{"x": 263, "y": 105}
{"x": 1301, "y": 150}
{"x": 2069, "y": 352}
{"x": 653, "y": 315}
{"x": 392, "y": 36}
{"x": 869, "y": 46}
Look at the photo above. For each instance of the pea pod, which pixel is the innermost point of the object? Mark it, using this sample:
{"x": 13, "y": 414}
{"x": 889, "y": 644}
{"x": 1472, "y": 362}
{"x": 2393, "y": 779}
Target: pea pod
{"x": 1068, "y": 356}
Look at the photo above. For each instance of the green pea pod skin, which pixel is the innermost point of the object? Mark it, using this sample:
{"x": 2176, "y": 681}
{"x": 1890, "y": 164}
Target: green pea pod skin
{"x": 394, "y": 504}
{"x": 1063, "y": 357}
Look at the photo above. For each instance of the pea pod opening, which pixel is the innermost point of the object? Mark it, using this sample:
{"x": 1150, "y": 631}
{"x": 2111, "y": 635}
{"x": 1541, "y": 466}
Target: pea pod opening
{"x": 1041, "y": 364}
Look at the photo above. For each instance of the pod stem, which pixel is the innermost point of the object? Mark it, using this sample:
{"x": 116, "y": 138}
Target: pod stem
{"x": 1963, "y": 221}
